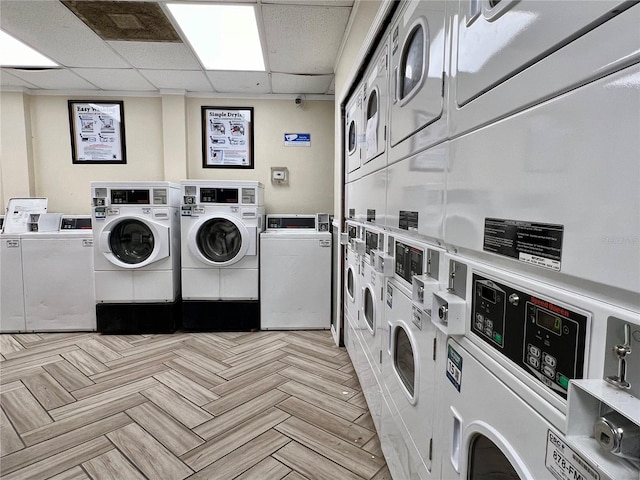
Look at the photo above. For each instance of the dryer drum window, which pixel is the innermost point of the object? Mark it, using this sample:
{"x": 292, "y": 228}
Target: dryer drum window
{"x": 219, "y": 240}
{"x": 486, "y": 460}
{"x": 403, "y": 359}
{"x": 369, "y": 314}
{"x": 412, "y": 61}
{"x": 131, "y": 241}
{"x": 372, "y": 105}
{"x": 350, "y": 282}
{"x": 352, "y": 137}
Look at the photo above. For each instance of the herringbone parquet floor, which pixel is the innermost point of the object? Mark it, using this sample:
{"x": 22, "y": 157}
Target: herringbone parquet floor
{"x": 263, "y": 405}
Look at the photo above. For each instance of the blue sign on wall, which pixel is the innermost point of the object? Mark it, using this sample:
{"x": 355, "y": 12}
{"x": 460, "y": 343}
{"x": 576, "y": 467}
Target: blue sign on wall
{"x": 297, "y": 139}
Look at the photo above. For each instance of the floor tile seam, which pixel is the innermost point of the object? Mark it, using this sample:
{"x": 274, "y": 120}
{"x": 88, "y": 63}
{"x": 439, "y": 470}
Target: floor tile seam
{"x": 343, "y": 398}
{"x": 236, "y": 392}
{"x": 115, "y": 447}
{"x": 56, "y": 381}
{"x": 170, "y": 345}
{"x": 240, "y": 367}
{"x": 330, "y": 369}
{"x": 16, "y": 431}
{"x": 168, "y": 413}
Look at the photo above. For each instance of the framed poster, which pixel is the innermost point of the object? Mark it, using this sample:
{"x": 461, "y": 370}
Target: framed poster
{"x": 227, "y": 137}
{"x": 97, "y": 131}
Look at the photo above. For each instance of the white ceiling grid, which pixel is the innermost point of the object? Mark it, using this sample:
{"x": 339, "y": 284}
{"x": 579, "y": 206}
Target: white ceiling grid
{"x": 301, "y": 39}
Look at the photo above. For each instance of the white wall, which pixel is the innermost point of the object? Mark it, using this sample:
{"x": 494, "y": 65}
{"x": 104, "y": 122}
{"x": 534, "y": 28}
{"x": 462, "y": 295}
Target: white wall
{"x": 163, "y": 142}
{"x": 310, "y": 188}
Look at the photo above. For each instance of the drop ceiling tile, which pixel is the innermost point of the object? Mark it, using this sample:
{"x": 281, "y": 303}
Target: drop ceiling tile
{"x": 191, "y": 81}
{"x": 156, "y": 55}
{"x": 54, "y": 79}
{"x": 49, "y": 27}
{"x": 240, "y": 82}
{"x": 286, "y": 83}
{"x": 303, "y": 38}
{"x": 115, "y": 79}
{"x": 9, "y": 80}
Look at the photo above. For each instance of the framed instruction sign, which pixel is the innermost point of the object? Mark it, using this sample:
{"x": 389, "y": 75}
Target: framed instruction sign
{"x": 97, "y": 131}
{"x": 227, "y": 137}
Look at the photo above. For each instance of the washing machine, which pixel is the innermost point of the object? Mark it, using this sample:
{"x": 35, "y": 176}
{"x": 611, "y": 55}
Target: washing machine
{"x": 295, "y": 273}
{"x": 354, "y": 135}
{"x": 531, "y": 193}
{"x": 375, "y": 100}
{"x": 418, "y": 67}
{"x": 18, "y": 214}
{"x": 64, "y": 299}
{"x": 408, "y": 364}
{"x": 136, "y": 237}
{"x": 511, "y": 55}
{"x": 489, "y": 430}
{"x": 221, "y": 222}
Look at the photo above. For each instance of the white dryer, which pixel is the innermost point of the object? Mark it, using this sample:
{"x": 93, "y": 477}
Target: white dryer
{"x": 489, "y": 430}
{"x": 221, "y": 222}
{"x": 352, "y": 282}
{"x": 408, "y": 369}
{"x": 418, "y": 53}
{"x": 64, "y": 299}
{"x": 354, "y": 135}
{"x": 510, "y": 55}
{"x": 136, "y": 231}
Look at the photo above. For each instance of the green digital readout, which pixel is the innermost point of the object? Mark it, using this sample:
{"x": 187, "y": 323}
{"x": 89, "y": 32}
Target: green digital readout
{"x": 550, "y": 322}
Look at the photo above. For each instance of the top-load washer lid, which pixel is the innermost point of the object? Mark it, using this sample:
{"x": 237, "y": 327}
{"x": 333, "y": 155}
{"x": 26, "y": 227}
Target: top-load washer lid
{"x": 134, "y": 242}
{"x": 221, "y": 240}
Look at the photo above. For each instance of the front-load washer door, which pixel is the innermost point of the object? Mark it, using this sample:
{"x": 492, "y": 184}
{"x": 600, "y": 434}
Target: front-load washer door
{"x": 221, "y": 240}
{"x": 134, "y": 242}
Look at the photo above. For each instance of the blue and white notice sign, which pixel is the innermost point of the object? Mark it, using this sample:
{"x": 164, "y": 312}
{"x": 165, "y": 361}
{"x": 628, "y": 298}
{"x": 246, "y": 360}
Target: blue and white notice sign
{"x": 297, "y": 139}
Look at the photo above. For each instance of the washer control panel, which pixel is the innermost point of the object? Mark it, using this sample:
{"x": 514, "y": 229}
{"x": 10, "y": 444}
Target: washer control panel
{"x": 544, "y": 337}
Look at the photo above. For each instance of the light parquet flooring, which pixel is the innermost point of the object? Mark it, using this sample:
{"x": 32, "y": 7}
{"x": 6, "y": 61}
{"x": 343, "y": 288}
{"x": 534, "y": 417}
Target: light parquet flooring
{"x": 261, "y": 406}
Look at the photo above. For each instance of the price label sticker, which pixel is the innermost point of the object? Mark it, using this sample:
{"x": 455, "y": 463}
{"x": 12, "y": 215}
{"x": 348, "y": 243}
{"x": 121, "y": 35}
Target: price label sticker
{"x": 564, "y": 463}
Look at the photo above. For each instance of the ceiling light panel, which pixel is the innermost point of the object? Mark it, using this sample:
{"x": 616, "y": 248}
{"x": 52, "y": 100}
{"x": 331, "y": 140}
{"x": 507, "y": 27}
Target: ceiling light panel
{"x": 224, "y": 37}
{"x": 14, "y": 53}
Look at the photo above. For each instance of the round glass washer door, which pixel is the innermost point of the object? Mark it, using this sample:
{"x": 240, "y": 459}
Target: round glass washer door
{"x": 220, "y": 240}
{"x": 132, "y": 242}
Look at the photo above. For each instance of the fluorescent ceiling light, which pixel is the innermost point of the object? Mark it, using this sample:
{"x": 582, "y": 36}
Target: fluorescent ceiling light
{"x": 225, "y": 37}
{"x": 14, "y": 53}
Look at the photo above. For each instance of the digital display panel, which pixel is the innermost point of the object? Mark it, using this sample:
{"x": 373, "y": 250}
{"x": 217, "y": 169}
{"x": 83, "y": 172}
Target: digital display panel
{"x": 550, "y": 322}
{"x": 487, "y": 293}
{"x": 219, "y": 195}
{"x": 130, "y": 197}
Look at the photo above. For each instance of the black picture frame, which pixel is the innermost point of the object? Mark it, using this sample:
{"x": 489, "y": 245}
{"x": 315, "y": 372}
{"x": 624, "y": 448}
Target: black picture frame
{"x": 227, "y": 137}
{"x": 97, "y": 131}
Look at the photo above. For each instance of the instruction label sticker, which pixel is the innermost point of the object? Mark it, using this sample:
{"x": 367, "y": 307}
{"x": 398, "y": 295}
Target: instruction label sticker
{"x": 538, "y": 244}
{"x": 564, "y": 463}
{"x": 389, "y": 295}
{"x": 454, "y": 367}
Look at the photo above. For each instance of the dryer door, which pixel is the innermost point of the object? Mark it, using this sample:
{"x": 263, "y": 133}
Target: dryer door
{"x": 134, "y": 242}
{"x": 221, "y": 240}
{"x": 417, "y": 62}
{"x": 486, "y": 460}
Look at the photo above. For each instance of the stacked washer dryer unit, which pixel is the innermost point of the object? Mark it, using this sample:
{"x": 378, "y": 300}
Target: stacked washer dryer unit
{"x": 553, "y": 272}
{"x": 494, "y": 154}
{"x": 136, "y": 233}
{"x": 221, "y": 223}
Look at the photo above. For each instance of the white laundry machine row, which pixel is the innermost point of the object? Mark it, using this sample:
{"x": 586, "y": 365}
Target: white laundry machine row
{"x": 532, "y": 194}
{"x": 510, "y": 55}
{"x": 136, "y": 231}
{"x": 220, "y": 223}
